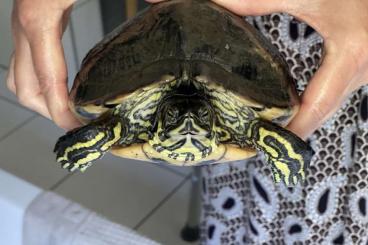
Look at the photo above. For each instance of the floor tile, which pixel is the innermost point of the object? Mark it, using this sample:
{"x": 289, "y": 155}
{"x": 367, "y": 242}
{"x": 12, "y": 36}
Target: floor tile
{"x": 183, "y": 171}
{"x": 124, "y": 191}
{"x": 166, "y": 223}
{"x": 27, "y": 153}
{"x": 11, "y": 117}
{"x": 6, "y": 46}
{"x": 87, "y": 27}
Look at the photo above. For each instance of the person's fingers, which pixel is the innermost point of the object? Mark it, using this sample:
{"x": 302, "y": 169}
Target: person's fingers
{"x": 25, "y": 80}
{"x": 251, "y": 7}
{"x": 50, "y": 67}
{"x": 10, "y": 76}
{"x": 324, "y": 94}
{"x": 305, "y": 10}
{"x": 259, "y": 7}
{"x": 40, "y": 69}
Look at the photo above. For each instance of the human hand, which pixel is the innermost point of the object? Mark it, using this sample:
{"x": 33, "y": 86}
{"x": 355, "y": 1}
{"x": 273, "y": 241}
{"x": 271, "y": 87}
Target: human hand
{"x": 37, "y": 72}
{"x": 344, "y": 27}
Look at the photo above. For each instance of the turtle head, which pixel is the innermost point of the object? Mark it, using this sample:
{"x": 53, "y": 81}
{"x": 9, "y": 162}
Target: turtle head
{"x": 185, "y": 129}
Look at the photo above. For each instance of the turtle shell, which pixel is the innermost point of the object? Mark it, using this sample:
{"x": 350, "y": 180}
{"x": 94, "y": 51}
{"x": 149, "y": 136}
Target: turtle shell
{"x": 197, "y": 36}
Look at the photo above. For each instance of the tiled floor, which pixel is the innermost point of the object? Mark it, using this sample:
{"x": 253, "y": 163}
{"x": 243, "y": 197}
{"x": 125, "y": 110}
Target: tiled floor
{"x": 150, "y": 198}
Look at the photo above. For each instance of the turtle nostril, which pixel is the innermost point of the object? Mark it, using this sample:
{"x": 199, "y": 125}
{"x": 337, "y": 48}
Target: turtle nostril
{"x": 188, "y": 125}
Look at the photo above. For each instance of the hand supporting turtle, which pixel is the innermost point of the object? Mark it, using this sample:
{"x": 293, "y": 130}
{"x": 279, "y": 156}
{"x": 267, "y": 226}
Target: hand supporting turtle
{"x": 37, "y": 72}
{"x": 344, "y": 27}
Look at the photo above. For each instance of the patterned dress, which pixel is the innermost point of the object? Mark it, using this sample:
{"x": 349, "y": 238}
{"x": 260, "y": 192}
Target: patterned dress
{"x": 241, "y": 203}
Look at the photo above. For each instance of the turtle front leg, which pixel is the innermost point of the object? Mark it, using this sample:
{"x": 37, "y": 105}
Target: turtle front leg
{"x": 288, "y": 155}
{"x": 81, "y": 146}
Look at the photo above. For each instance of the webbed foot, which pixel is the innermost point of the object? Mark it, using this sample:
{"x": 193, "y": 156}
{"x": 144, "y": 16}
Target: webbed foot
{"x": 80, "y": 147}
{"x": 288, "y": 155}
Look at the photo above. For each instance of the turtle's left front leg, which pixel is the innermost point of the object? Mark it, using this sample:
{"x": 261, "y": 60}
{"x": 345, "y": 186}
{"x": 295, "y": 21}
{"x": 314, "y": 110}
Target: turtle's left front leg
{"x": 288, "y": 155}
{"x": 81, "y": 146}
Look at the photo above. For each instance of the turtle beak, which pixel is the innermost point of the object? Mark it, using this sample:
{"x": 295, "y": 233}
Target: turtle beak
{"x": 189, "y": 126}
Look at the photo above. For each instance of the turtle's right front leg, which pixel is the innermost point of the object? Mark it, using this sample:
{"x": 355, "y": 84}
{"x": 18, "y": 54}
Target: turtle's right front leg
{"x": 81, "y": 146}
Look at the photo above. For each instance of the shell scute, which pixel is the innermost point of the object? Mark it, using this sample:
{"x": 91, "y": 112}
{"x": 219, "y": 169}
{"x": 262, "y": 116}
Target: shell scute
{"x": 196, "y": 36}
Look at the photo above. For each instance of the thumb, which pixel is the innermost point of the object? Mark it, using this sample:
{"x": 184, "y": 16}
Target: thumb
{"x": 324, "y": 94}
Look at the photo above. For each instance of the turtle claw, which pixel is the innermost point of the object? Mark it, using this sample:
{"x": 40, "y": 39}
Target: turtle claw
{"x": 80, "y": 147}
{"x": 72, "y": 167}
{"x": 279, "y": 177}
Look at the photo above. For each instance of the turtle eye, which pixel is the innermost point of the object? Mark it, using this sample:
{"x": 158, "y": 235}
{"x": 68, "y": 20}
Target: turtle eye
{"x": 172, "y": 115}
{"x": 204, "y": 115}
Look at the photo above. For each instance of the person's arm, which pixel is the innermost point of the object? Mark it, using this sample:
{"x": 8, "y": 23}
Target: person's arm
{"x": 38, "y": 73}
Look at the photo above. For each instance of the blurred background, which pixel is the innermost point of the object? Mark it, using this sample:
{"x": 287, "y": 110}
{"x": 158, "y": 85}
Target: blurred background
{"x": 151, "y": 199}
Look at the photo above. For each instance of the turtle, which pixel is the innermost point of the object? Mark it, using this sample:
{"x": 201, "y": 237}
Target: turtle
{"x": 189, "y": 83}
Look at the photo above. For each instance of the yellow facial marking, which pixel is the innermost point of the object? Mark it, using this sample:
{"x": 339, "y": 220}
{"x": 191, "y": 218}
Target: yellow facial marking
{"x": 181, "y": 153}
{"x": 144, "y": 103}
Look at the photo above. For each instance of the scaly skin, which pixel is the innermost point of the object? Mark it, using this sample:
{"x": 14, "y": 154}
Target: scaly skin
{"x": 288, "y": 155}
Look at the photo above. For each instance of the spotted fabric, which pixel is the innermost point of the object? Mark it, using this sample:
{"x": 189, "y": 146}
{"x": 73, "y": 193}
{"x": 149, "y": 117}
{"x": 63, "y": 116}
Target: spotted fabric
{"x": 241, "y": 203}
